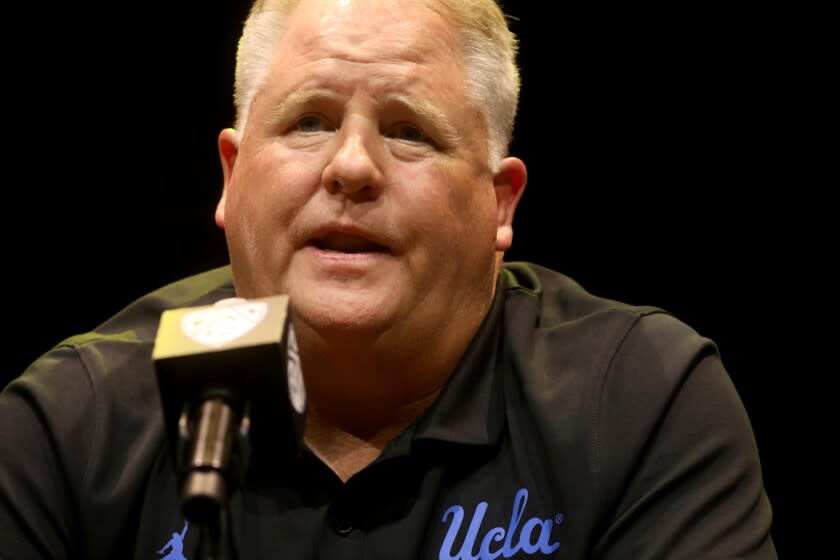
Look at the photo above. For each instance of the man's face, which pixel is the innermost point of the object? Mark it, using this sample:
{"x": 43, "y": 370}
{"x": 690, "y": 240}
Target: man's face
{"x": 360, "y": 186}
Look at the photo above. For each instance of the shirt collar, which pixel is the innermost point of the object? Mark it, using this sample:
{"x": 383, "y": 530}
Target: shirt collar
{"x": 470, "y": 409}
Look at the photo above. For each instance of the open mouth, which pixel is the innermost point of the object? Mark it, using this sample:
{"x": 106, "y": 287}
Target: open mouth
{"x": 347, "y": 243}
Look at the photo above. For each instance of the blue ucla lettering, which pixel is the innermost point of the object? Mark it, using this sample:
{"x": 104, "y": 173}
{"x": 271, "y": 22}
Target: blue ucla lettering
{"x": 534, "y": 537}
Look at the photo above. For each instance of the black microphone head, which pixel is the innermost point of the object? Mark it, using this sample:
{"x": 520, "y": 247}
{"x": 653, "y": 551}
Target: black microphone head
{"x": 241, "y": 351}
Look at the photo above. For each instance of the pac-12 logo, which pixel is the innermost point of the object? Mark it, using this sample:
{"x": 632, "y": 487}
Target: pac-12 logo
{"x": 226, "y": 321}
{"x": 533, "y": 538}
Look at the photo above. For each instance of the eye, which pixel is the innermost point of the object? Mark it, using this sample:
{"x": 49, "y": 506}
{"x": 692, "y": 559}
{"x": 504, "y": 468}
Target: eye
{"x": 311, "y": 123}
{"x": 407, "y": 133}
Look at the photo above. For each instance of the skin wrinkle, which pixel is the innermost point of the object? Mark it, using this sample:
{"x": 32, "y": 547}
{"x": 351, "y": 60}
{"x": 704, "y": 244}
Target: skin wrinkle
{"x": 298, "y": 102}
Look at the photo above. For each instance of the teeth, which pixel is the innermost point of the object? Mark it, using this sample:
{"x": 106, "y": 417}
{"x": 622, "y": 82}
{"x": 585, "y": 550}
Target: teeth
{"x": 346, "y": 243}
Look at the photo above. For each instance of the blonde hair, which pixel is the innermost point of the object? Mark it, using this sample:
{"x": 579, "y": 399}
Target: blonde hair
{"x": 489, "y": 48}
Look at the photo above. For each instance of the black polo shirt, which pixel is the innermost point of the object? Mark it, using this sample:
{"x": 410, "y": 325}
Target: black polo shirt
{"x": 573, "y": 427}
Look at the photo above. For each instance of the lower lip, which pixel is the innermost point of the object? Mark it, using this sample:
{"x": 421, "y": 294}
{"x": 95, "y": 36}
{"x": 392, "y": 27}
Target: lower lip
{"x": 337, "y": 258}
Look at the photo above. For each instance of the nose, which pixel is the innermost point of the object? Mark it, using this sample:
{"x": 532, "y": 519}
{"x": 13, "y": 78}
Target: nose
{"x": 353, "y": 168}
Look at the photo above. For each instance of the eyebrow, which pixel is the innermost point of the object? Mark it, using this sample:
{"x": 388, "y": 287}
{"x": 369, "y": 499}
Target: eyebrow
{"x": 424, "y": 109}
{"x": 298, "y": 99}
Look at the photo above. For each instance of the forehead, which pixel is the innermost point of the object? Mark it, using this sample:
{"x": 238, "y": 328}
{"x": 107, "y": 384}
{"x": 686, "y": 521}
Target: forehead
{"x": 371, "y": 31}
{"x": 367, "y": 14}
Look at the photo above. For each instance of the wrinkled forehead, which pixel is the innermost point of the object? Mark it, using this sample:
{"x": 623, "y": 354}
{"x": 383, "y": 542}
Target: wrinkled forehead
{"x": 410, "y": 46}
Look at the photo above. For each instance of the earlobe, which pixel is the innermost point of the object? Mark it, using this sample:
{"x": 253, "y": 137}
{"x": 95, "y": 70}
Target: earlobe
{"x": 228, "y": 145}
{"x": 220, "y": 211}
{"x": 509, "y": 183}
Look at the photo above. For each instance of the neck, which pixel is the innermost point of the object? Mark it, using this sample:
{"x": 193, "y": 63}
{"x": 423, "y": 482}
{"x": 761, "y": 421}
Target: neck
{"x": 363, "y": 392}
{"x": 365, "y": 389}
{"x": 360, "y": 396}
{"x": 348, "y": 443}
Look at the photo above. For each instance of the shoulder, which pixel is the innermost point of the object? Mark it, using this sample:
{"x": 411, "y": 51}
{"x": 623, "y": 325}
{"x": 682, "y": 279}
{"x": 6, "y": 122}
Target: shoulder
{"x": 545, "y": 307}
{"x": 105, "y": 377}
{"x": 116, "y": 354}
{"x": 637, "y": 408}
{"x": 88, "y": 413}
{"x": 137, "y": 322}
{"x": 607, "y": 368}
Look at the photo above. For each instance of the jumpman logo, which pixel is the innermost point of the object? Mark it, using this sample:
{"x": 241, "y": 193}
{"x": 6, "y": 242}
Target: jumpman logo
{"x": 175, "y": 545}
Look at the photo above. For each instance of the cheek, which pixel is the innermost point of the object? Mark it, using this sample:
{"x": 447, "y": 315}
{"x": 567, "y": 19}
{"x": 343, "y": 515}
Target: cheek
{"x": 272, "y": 186}
{"x": 472, "y": 201}
{"x": 458, "y": 208}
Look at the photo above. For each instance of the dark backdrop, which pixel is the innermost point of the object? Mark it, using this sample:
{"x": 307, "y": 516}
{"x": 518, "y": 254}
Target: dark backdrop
{"x": 652, "y": 139}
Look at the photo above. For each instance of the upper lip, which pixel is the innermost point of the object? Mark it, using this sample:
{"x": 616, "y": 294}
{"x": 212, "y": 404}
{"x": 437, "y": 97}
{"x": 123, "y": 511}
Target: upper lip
{"x": 348, "y": 237}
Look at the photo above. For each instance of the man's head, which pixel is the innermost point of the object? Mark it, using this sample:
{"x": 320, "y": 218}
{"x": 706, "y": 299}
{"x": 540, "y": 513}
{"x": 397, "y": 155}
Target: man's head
{"x": 362, "y": 182}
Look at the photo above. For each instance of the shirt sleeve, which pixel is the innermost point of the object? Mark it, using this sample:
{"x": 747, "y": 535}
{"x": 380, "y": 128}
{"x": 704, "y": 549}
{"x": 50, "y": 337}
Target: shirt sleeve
{"x": 46, "y": 427}
{"x": 676, "y": 444}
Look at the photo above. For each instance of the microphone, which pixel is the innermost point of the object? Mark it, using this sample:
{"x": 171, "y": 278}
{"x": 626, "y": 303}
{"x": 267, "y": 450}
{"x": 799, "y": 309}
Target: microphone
{"x": 226, "y": 374}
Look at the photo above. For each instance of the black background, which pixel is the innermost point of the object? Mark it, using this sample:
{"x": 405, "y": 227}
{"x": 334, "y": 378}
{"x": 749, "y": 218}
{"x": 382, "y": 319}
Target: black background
{"x": 656, "y": 140}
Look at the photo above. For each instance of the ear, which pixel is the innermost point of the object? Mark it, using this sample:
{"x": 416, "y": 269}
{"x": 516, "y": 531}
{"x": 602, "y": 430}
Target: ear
{"x": 509, "y": 183}
{"x": 228, "y": 149}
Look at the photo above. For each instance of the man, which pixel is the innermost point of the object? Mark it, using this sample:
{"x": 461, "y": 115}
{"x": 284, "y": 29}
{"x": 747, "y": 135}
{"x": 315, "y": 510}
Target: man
{"x": 457, "y": 408}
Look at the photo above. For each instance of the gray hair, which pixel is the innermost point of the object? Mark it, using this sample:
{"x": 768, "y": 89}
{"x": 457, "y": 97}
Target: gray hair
{"x": 489, "y": 47}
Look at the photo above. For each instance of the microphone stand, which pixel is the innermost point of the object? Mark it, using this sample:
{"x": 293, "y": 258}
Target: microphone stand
{"x": 213, "y": 451}
{"x": 213, "y": 362}
{"x": 215, "y": 539}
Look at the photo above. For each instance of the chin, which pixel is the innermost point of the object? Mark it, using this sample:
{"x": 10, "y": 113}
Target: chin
{"x": 337, "y": 313}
